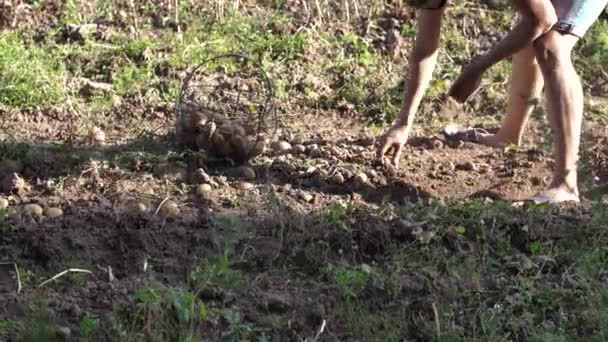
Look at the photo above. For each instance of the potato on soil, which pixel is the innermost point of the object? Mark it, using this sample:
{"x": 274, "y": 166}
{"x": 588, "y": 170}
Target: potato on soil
{"x": 259, "y": 147}
{"x": 200, "y": 124}
{"x": 247, "y": 172}
{"x": 250, "y": 129}
{"x": 98, "y": 136}
{"x": 239, "y": 130}
{"x": 361, "y": 178}
{"x": 202, "y": 141}
{"x": 53, "y": 212}
{"x": 135, "y": 206}
{"x": 203, "y": 190}
{"x": 222, "y": 146}
{"x": 299, "y": 148}
{"x": 208, "y": 130}
{"x": 337, "y": 178}
{"x": 247, "y": 148}
{"x": 281, "y": 146}
{"x": 226, "y": 129}
{"x": 170, "y": 208}
{"x": 218, "y": 118}
{"x": 33, "y": 210}
{"x": 3, "y": 203}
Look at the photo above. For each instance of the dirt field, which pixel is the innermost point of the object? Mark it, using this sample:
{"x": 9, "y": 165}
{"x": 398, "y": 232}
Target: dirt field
{"x": 320, "y": 242}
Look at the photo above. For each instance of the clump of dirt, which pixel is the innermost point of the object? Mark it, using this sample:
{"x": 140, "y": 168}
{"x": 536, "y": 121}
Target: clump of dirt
{"x": 131, "y": 246}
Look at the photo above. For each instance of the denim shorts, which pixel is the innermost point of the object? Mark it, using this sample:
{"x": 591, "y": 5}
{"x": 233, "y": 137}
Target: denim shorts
{"x": 577, "y": 16}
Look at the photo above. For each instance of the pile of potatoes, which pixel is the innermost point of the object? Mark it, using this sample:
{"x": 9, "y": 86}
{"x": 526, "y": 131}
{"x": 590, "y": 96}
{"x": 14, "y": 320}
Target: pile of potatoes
{"x": 219, "y": 135}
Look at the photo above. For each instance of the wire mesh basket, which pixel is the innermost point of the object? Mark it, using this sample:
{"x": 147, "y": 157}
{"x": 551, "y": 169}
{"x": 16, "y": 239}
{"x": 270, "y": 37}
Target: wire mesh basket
{"x": 226, "y": 107}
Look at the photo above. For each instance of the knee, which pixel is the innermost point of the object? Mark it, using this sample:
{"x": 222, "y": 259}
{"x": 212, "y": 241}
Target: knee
{"x": 549, "y": 51}
{"x": 542, "y": 25}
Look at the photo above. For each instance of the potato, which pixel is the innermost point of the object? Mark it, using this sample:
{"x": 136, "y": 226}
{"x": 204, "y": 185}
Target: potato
{"x": 194, "y": 118}
{"x": 209, "y": 129}
{"x": 226, "y": 129}
{"x": 170, "y": 208}
{"x": 200, "y": 124}
{"x": 361, "y": 178}
{"x": 221, "y": 146}
{"x": 218, "y": 118}
{"x": 337, "y": 178}
{"x": 53, "y": 212}
{"x": 218, "y": 140}
{"x": 226, "y": 150}
{"x": 259, "y": 147}
{"x": 239, "y": 130}
{"x": 33, "y": 209}
{"x": 247, "y": 172}
{"x": 250, "y": 129}
{"x": 202, "y": 141}
{"x": 240, "y": 147}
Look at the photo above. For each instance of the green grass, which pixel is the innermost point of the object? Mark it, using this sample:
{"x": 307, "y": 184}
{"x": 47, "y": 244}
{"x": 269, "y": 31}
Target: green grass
{"x": 88, "y": 325}
{"x": 39, "y": 325}
{"x": 5, "y": 328}
{"x": 162, "y": 314}
{"x": 30, "y": 76}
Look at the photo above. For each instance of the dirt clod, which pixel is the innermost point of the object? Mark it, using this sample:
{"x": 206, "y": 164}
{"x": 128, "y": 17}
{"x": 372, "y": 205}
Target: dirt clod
{"x": 10, "y": 166}
{"x": 467, "y": 166}
{"x": 437, "y": 144}
{"x": 13, "y": 183}
{"x": 90, "y": 88}
{"x": 315, "y": 153}
{"x": 79, "y": 33}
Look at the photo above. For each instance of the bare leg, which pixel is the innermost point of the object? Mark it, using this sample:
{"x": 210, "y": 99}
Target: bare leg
{"x": 537, "y": 18}
{"x": 526, "y": 82}
{"x": 565, "y": 108}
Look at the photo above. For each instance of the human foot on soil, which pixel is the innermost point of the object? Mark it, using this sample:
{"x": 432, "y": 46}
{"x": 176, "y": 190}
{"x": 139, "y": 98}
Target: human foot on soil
{"x": 478, "y": 136}
{"x": 558, "y": 194}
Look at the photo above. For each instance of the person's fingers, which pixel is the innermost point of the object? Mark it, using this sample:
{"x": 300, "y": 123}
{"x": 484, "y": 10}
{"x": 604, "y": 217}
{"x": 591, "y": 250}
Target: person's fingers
{"x": 384, "y": 147}
{"x": 397, "y": 155}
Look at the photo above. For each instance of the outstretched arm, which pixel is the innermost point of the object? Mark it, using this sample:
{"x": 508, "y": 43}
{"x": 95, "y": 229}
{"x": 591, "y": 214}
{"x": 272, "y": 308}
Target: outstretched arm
{"x": 537, "y": 18}
{"x": 421, "y": 65}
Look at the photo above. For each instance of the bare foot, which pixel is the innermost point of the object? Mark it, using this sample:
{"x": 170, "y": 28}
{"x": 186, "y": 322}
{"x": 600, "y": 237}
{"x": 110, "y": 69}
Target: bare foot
{"x": 492, "y": 140}
{"x": 478, "y": 136}
{"x": 467, "y": 83}
{"x": 557, "y": 194}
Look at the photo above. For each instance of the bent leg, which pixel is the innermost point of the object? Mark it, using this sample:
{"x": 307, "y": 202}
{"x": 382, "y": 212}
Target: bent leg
{"x": 526, "y": 84}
